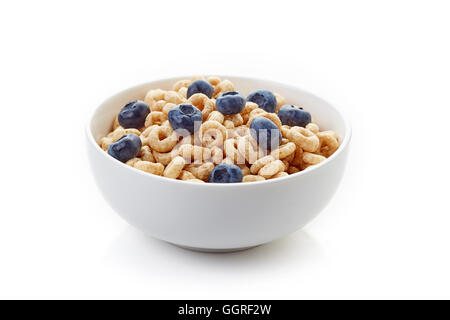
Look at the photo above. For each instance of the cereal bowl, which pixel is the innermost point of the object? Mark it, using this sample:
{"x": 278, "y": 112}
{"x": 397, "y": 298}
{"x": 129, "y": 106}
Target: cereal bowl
{"x": 213, "y": 216}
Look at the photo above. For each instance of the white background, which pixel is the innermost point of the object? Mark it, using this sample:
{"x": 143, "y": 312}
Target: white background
{"x": 386, "y": 234}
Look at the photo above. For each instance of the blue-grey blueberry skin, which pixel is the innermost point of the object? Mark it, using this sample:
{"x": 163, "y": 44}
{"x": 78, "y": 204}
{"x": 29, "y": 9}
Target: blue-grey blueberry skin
{"x": 133, "y": 114}
{"x": 230, "y": 102}
{"x": 266, "y": 133}
{"x": 264, "y": 99}
{"x": 226, "y": 173}
{"x": 292, "y": 116}
{"x": 125, "y": 148}
{"x": 200, "y": 86}
{"x": 185, "y": 118}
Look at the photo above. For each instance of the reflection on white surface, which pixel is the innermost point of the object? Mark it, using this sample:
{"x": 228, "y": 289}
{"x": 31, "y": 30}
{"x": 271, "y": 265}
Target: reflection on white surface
{"x": 136, "y": 251}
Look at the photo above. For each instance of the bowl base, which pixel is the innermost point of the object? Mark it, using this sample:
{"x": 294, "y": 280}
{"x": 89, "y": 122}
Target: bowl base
{"x": 208, "y": 250}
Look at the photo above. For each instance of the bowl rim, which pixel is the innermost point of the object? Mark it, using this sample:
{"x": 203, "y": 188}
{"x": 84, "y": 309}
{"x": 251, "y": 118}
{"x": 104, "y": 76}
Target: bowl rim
{"x": 342, "y": 146}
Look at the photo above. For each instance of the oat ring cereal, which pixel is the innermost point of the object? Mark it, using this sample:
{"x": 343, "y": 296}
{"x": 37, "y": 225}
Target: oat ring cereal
{"x": 304, "y": 138}
{"x": 202, "y": 102}
{"x": 212, "y": 134}
{"x": 284, "y": 151}
{"x": 271, "y": 169}
{"x": 328, "y": 143}
{"x": 162, "y": 139}
{"x": 174, "y": 168}
{"x": 261, "y": 113}
{"x": 216, "y": 116}
{"x": 312, "y": 158}
{"x": 155, "y": 117}
{"x": 224, "y": 136}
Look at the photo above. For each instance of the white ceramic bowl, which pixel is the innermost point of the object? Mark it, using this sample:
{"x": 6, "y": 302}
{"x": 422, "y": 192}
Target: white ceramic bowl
{"x": 218, "y": 217}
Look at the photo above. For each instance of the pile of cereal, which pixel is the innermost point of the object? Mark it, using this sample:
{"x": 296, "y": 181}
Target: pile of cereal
{"x": 204, "y": 131}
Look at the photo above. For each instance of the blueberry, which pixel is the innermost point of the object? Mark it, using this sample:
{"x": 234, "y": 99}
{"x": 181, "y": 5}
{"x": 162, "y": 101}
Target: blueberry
{"x": 293, "y": 116}
{"x": 133, "y": 114}
{"x": 231, "y": 102}
{"x": 264, "y": 99}
{"x": 185, "y": 118}
{"x": 200, "y": 86}
{"x": 226, "y": 173}
{"x": 266, "y": 133}
{"x": 125, "y": 148}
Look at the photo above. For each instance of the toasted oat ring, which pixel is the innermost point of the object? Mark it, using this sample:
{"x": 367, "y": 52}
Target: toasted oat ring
{"x": 168, "y": 141}
{"x": 313, "y": 127}
{"x": 261, "y": 113}
{"x": 150, "y": 167}
{"x": 231, "y": 151}
{"x": 146, "y": 154}
{"x": 280, "y": 101}
{"x": 193, "y": 154}
{"x": 216, "y": 155}
{"x": 132, "y": 162}
{"x": 304, "y": 139}
{"x": 216, "y": 116}
{"x": 105, "y": 142}
{"x": 258, "y": 112}
{"x": 241, "y": 131}
{"x": 174, "y": 168}
{"x": 158, "y": 105}
{"x": 153, "y": 96}
{"x": 312, "y": 158}
{"x": 285, "y": 130}
{"x": 212, "y": 134}
{"x": 117, "y": 134}
{"x": 228, "y": 124}
{"x": 155, "y": 117}
{"x": 169, "y": 106}
{"x": 202, "y": 171}
{"x": 214, "y": 81}
{"x": 252, "y": 178}
{"x": 182, "y": 92}
{"x": 173, "y": 97}
{"x": 261, "y": 163}
{"x": 279, "y": 175}
{"x": 290, "y": 157}
{"x": 328, "y": 143}
{"x": 236, "y": 119}
{"x": 199, "y": 100}
{"x": 249, "y": 107}
{"x": 133, "y": 130}
{"x": 181, "y": 84}
{"x": 292, "y": 170}
{"x": 284, "y": 151}
{"x": 207, "y": 109}
{"x": 203, "y": 103}
{"x": 196, "y": 180}
{"x": 271, "y": 169}
{"x": 222, "y": 87}
{"x": 186, "y": 175}
{"x": 244, "y": 169}
{"x": 162, "y": 157}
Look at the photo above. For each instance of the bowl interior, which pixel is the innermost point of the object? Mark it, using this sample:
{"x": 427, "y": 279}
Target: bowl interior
{"x": 326, "y": 116}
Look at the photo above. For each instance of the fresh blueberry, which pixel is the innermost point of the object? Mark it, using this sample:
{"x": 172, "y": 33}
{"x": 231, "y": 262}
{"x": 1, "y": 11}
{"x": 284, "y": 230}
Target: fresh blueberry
{"x": 226, "y": 173}
{"x": 133, "y": 114}
{"x": 200, "y": 86}
{"x": 185, "y": 118}
{"x": 293, "y": 116}
{"x": 231, "y": 102}
{"x": 264, "y": 99}
{"x": 125, "y": 148}
{"x": 266, "y": 133}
